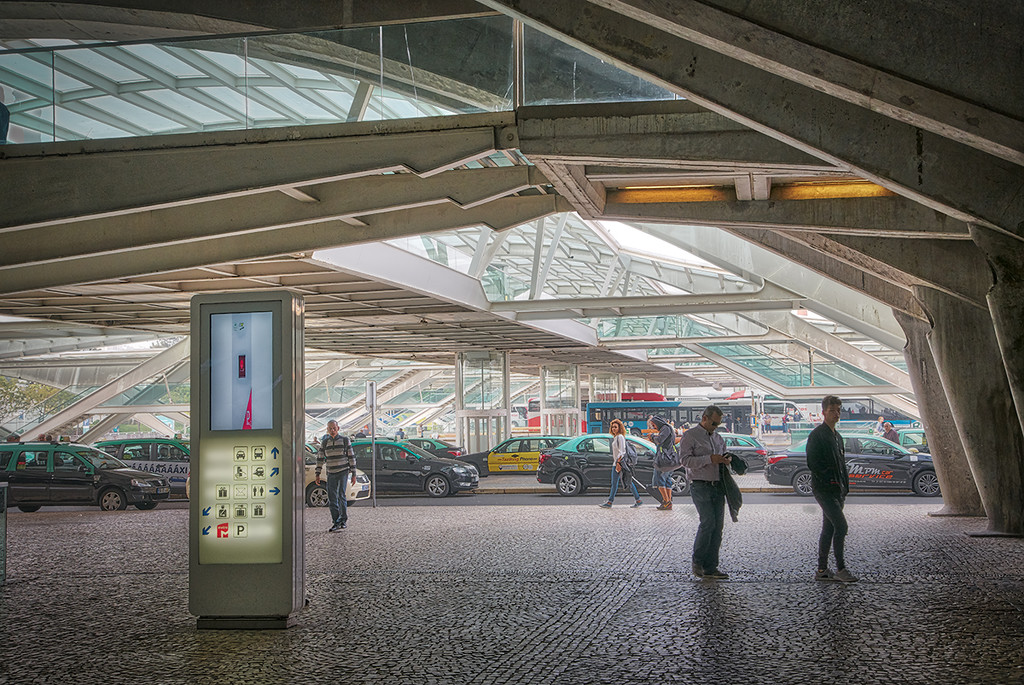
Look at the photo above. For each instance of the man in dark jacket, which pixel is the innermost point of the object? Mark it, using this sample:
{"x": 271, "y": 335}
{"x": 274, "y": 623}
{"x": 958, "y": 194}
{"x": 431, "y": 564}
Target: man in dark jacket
{"x": 664, "y": 461}
{"x": 830, "y": 483}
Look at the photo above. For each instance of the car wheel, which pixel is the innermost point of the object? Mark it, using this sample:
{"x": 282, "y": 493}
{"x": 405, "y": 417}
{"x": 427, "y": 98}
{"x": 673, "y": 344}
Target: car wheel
{"x": 636, "y": 432}
{"x": 437, "y": 486}
{"x": 316, "y": 495}
{"x": 680, "y": 484}
{"x": 802, "y": 483}
{"x": 113, "y": 499}
{"x": 29, "y": 508}
{"x": 926, "y": 484}
{"x": 569, "y": 484}
{"x": 145, "y": 506}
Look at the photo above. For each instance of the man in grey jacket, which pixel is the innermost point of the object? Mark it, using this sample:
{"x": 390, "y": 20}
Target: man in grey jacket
{"x": 701, "y": 450}
{"x": 337, "y": 453}
{"x": 830, "y": 483}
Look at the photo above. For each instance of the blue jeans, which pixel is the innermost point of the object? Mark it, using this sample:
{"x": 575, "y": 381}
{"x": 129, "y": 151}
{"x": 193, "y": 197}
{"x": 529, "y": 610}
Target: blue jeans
{"x": 622, "y": 475}
{"x": 661, "y": 479}
{"x": 709, "y": 499}
{"x": 336, "y": 496}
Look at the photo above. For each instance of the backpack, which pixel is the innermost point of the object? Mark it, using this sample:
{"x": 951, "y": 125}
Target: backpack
{"x": 630, "y": 458}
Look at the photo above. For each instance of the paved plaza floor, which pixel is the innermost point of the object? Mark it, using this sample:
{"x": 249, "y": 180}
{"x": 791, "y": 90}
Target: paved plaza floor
{"x": 546, "y": 593}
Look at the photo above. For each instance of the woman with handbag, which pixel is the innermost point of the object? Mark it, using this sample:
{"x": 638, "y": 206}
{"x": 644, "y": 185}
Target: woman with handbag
{"x": 622, "y": 465}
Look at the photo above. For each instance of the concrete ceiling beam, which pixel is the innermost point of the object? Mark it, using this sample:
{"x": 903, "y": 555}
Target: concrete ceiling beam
{"x": 673, "y": 134}
{"x": 108, "y": 177}
{"x": 880, "y": 217}
{"x": 955, "y": 267}
{"x": 148, "y": 19}
{"x": 883, "y": 90}
{"x": 257, "y": 213}
{"x": 499, "y": 214}
{"x": 940, "y": 172}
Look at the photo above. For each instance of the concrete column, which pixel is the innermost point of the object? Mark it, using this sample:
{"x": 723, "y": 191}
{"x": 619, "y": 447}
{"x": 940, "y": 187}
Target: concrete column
{"x": 959, "y": 492}
{"x": 963, "y": 344}
{"x": 1005, "y": 254}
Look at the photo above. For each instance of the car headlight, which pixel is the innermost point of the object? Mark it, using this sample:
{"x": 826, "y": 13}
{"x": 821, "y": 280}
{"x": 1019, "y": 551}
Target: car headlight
{"x": 137, "y": 483}
{"x": 461, "y": 470}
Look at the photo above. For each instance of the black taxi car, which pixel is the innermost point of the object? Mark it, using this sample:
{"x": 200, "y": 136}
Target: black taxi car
{"x": 585, "y": 461}
{"x": 404, "y": 468}
{"x": 874, "y": 464}
{"x": 48, "y": 473}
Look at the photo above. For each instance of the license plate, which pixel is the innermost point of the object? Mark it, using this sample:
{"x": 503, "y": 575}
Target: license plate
{"x": 364, "y": 488}
{"x": 159, "y": 490}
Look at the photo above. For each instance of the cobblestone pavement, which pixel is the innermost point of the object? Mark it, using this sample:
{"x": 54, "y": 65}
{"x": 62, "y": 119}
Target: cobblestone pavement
{"x": 537, "y": 594}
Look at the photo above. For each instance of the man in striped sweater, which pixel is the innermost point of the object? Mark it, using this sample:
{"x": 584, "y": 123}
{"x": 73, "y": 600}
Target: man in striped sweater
{"x": 336, "y": 451}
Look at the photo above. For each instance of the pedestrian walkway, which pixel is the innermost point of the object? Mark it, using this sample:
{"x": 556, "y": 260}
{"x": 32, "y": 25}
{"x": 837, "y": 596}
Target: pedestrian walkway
{"x": 522, "y": 483}
{"x": 563, "y": 594}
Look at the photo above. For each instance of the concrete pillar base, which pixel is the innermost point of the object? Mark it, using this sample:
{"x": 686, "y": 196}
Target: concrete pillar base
{"x": 993, "y": 534}
{"x": 945, "y": 512}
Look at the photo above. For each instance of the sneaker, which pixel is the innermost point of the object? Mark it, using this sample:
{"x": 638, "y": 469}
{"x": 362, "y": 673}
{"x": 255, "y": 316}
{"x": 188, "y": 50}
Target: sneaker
{"x": 665, "y": 506}
{"x": 698, "y": 570}
{"x": 715, "y": 575}
{"x": 844, "y": 576}
{"x": 606, "y": 505}
{"x": 344, "y": 524}
{"x": 636, "y": 505}
{"x": 827, "y": 574}
{"x": 335, "y": 528}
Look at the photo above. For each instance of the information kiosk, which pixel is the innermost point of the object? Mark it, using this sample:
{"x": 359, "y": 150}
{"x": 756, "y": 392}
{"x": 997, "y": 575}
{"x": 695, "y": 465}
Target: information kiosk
{"x": 246, "y": 563}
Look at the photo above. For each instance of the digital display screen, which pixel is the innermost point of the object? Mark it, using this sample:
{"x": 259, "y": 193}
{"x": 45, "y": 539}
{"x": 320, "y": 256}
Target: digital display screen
{"x": 241, "y": 371}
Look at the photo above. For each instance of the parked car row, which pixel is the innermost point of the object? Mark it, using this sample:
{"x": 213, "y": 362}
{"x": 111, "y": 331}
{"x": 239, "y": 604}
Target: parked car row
{"x": 874, "y": 464}
{"x": 46, "y": 473}
{"x": 586, "y": 461}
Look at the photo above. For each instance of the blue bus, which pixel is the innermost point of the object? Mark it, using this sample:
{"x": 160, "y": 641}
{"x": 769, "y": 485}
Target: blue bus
{"x": 737, "y": 414}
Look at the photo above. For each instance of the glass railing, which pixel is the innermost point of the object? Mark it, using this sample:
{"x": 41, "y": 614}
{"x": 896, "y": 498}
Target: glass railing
{"x": 791, "y": 373}
{"x": 58, "y": 90}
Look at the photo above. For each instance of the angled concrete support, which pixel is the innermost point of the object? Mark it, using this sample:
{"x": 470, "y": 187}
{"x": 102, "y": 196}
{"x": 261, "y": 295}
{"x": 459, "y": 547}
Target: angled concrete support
{"x": 959, "y": 492}
{"x": 963, "y": 343}
{"x": 1005, "y": 255}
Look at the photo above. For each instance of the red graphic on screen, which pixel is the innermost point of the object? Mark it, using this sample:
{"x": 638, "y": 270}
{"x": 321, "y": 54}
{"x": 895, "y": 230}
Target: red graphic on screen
{"x": 241, "y": 366}
{"x": 247, "y": 423}
{"x": 222, "y": 530}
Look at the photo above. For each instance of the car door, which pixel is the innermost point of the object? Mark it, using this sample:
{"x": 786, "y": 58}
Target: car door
{"x": 504, "y": 457}
{"x": 29, "y": 479}
{"x": 73, "y": 479}
{"x": 595, "y": 460}
{"x": 871, "y": 463}
{"x": 403, "y": 468}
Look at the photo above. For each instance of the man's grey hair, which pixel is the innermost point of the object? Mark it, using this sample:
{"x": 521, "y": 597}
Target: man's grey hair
{"x": 829, "y": 401}
{"x": 712, "y": 410}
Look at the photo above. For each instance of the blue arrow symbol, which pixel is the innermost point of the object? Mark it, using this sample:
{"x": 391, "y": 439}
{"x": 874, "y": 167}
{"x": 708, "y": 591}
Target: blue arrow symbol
{"x": 274, "y": 491}
{"x": 274, "y": 471}
{"x": 274, "y": 452}
{"x": 206, "y": 511}
{"x": 206, "y": 531}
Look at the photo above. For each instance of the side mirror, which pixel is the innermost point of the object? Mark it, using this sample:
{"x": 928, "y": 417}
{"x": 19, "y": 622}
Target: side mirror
{"x": 913, "y": 450}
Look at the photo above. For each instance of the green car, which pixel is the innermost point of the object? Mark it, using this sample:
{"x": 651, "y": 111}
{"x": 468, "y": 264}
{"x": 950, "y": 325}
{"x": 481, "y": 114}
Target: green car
{"x": 164, "y": 456}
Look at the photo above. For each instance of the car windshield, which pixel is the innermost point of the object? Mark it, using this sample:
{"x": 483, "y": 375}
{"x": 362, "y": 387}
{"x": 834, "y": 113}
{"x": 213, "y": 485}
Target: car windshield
{"x": 418, "y": 451}
{"x": 101, "y": 460}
